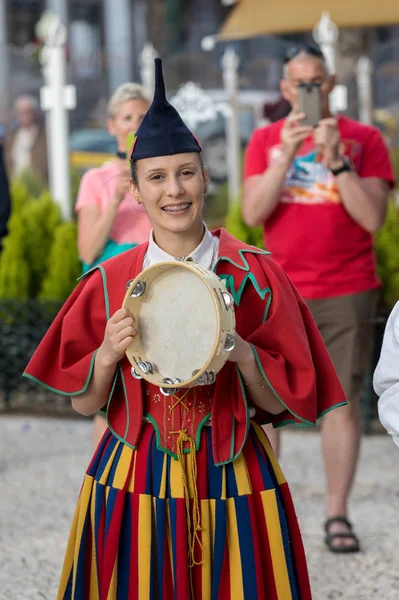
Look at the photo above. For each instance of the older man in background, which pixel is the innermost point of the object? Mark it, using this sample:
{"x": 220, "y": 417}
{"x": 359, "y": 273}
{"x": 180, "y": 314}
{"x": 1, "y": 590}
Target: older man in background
{"x": 320, "y": 194}
{"x": 25, "y": 148}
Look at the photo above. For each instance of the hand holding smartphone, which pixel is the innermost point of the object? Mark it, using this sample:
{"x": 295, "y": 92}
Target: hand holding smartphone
{"x": 309, "y": 100}
{"x": 293, "y": 134}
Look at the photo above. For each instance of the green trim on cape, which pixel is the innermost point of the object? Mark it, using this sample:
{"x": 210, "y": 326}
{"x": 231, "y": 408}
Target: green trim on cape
{"x": 105, "y": 289}
{"x": 51, "y": 389}
{"x": 186, "y": 450}
{"x": 229, "y": 279}
{"x": 260, "y": 367}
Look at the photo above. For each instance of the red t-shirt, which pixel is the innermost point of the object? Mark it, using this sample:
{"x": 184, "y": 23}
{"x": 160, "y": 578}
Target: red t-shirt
{"x": 310, "y": 234}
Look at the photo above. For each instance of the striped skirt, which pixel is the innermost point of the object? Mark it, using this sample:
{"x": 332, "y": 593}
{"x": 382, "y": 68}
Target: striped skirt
{"x": 129, "y": 537}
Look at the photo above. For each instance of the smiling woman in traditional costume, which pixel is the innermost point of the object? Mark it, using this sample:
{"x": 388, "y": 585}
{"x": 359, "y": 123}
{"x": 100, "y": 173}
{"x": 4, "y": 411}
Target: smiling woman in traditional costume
{"x": 184, "y": 498}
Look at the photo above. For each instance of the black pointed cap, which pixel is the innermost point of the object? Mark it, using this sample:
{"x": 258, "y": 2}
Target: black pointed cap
{"x": 162, "y": 131}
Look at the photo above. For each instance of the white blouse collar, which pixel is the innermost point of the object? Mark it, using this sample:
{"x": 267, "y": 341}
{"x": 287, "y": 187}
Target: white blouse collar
{"x": 205, "y": 254}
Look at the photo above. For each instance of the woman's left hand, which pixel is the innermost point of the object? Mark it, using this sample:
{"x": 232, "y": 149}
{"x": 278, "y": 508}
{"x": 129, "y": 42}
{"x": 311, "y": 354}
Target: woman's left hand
{"x": 242, "y": 352}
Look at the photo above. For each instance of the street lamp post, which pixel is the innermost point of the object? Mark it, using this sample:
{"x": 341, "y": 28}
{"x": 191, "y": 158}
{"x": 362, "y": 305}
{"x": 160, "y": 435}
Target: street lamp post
{"x": 59, "y": 8}
{"x": 326, "y": 34}
{"x": 56, "y": 98}
{"x": 118, "y": 41}
{"x": 147, "y": 72}
{"x": 230, "y": 63}
{"x": 364, "y": 71}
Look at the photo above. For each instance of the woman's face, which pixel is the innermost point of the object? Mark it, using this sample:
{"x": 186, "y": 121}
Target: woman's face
{"x": 172, "y": 190}
{"x": 127, "y": 120}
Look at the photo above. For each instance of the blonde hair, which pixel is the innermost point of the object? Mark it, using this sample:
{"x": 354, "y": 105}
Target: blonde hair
{"x": 124, "y": 93}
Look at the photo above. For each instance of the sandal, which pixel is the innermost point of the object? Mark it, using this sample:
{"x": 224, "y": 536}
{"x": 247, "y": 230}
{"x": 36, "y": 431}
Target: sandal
{"x": 330, "y": 537}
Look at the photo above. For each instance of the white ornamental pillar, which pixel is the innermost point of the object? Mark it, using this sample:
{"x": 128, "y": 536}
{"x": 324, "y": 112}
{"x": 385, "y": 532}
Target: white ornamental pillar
{"x": 364, "y": 71}
{"x": 326, "y": 34}
{"x": 56, "y": 98}
{"x": 147, "y": 70}
{"x": 58, "y": 8}
{"x": 118, "y": 42}
{"x": 230, "y": 62}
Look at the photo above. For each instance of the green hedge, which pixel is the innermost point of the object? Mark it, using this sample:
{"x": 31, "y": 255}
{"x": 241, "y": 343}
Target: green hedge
{"x": 39, "y": 257}
{"x": 387, "y": 252}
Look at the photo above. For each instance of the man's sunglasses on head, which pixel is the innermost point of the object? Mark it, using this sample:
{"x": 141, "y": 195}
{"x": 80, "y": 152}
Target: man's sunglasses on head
{"x": 310, "y": 49}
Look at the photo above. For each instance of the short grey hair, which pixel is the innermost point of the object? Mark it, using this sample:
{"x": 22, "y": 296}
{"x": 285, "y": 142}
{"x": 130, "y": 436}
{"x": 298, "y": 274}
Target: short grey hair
{"x": 124, "y": 93}
{"x": 27, "y": 99}
{"x": 301, "y": 55}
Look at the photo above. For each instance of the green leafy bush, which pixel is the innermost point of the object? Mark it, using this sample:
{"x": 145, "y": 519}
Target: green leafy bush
{"x": 387, "y": 251}
{"x": 216, "y": 206}
{"x": 32, "y": 182}
{"x": 39, "y": 219}
{"x": 36, "y": 238}
{"x": 20, "y": 196}
{"x": 14, "y": 269}
{"x": 235, "y": 224}
{"x": 64, "y": 263}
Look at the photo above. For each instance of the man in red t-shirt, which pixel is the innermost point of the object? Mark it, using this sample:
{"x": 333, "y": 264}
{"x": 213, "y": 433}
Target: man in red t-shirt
{"x": 320, "y": 194}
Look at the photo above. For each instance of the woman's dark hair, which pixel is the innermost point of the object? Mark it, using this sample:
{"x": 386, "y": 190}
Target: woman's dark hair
{"x": 133, "y": 169}
{"x": 133, "y": 172}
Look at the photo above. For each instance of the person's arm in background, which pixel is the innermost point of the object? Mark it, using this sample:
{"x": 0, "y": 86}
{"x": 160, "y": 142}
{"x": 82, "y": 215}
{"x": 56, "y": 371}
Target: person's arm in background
{"x": 94, "y": 226}
{"x": 386, "y": 377}
{"x": 261, "y": 192}
{"x": 5, "y": 200}
{"x": 365, "y": 194}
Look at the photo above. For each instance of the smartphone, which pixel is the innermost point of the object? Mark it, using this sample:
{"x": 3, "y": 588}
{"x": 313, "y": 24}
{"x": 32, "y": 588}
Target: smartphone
{"x": 309, "y": 98}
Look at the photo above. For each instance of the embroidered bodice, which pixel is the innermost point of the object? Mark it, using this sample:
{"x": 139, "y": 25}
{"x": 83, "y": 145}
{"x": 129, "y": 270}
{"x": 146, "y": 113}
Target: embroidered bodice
{"x": 188, "y": 410}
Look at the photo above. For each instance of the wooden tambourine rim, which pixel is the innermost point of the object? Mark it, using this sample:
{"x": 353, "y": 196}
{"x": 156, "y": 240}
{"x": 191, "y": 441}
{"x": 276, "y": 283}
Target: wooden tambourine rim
{"x": 152, "y": 378}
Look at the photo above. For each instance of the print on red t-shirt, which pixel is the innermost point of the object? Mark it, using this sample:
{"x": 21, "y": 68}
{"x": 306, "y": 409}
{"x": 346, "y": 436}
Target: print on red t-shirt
{"x": 310, "y": 234}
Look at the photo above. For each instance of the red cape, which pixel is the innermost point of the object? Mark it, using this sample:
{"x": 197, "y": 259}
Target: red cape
{"x": 270, "y": 314}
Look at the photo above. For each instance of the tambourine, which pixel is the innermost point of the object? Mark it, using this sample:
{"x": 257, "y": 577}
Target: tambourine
{"x": 185, "y": 324}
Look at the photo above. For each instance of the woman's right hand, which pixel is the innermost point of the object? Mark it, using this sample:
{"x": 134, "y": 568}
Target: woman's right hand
{"x": 119, "y": 334}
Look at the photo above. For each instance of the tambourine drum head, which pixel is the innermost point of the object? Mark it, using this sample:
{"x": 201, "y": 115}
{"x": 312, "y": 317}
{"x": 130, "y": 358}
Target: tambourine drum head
{"x": 178, "y": 323}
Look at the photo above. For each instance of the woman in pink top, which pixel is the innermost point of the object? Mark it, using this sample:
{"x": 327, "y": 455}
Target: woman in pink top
{"x": 110, "y": 221}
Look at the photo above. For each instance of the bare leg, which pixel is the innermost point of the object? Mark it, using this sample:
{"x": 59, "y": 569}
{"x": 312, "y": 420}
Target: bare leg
{"x": 99, "y": 427}
{"x": 346, "y": 325}
{"x": 341, "y": 437}
{"x": 274, "y": 438}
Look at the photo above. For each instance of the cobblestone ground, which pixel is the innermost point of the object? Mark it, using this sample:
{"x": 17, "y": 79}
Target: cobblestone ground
{"x": 42, "y": 462}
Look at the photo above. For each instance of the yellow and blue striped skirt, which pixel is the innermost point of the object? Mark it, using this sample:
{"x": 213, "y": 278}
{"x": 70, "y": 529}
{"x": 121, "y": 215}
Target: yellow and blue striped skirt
{"x": 131, "y": 536}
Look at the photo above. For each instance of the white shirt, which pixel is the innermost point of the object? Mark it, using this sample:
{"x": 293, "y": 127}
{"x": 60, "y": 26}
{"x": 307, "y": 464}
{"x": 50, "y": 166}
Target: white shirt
{"x": 205, "y": 254}
{"x": 386, "y": 377}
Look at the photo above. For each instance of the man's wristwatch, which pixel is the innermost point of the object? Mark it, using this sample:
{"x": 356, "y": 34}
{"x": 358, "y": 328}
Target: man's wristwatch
{"x": 345, "y": 167}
